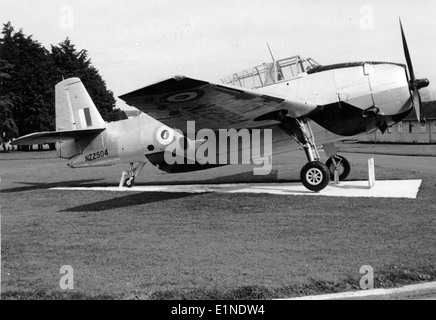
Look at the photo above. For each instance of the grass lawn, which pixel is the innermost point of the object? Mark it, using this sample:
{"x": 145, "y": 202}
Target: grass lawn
{"x": 157, "y": 245}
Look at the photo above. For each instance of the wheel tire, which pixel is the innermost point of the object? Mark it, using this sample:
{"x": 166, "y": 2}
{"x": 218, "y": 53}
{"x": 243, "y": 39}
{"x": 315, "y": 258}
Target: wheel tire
{"x": 129, "y": 183}
{"x": 344, "y": 168}
{"x": 315, "y": 176}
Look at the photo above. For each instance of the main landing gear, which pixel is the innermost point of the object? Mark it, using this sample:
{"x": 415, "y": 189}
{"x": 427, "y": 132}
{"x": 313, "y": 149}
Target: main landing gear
{"x": 128, "y": 177}
{"x": 315, "y": 175}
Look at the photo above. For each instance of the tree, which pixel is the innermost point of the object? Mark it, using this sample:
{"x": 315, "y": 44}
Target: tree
{"x": 8, "y": 128}
{"x": 28, "y": 97}
{"x": 31, "y": 82}
{"x": 72, "y": 63}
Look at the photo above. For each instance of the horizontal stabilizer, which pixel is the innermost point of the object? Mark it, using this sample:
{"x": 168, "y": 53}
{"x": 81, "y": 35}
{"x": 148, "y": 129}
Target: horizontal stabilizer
{"x": 55, "y": 136}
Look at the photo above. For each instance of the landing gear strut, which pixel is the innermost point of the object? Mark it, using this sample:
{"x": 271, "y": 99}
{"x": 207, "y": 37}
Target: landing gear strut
{"x": 314, "y": 175}
{"x": 128, "y": 177}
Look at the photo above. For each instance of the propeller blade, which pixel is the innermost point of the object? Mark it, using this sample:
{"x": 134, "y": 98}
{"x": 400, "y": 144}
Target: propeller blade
{"x": 417, "y": 103}
{"x": 407, "y": 54}
{"x": 415, "y": 84}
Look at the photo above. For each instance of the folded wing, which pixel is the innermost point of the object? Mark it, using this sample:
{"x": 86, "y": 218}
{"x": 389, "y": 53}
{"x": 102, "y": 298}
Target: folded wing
{"x": 178, "y": 100}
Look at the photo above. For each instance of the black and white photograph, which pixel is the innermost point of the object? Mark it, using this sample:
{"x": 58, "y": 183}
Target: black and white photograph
{"x": 223, "y": 158}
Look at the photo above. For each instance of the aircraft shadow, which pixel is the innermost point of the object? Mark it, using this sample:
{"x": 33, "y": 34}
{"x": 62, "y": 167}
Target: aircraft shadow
{"x": 135, "y": 199}
{"x": 349, "y": 186}
{"x": 244, "y": 177}
{"x": 130, "y": 200}
{"x": 28, "y": 186}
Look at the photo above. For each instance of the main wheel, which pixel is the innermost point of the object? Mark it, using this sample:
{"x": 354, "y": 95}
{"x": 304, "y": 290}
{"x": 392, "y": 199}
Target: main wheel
{"x": 343, "y": 166}
{"x": 315, "y": 176}
{"x": 129, "y": 182}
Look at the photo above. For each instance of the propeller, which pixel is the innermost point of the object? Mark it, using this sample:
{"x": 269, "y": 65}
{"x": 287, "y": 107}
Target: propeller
{"x": 414, "y": 84}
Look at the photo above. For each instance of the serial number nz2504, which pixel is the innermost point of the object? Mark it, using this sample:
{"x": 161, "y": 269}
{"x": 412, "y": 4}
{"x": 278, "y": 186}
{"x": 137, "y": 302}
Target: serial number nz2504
{"x": 96, "y": 155}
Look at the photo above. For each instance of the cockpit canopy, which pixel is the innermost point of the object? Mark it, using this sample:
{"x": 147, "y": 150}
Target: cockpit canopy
{"x": 270, "y": 73}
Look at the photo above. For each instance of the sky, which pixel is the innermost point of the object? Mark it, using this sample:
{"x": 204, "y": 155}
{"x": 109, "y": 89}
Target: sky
{"x": 134, "y": 43}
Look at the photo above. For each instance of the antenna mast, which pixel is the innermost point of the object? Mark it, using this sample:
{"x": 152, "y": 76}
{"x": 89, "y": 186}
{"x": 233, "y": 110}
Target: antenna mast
{"x": 274, "y": 61}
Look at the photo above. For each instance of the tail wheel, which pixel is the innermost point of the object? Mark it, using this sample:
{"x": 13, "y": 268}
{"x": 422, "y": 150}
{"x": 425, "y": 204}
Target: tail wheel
{"x": 315, "y": 176}
{"x": 342, "y": 165}
{"x": 129, "y": 182}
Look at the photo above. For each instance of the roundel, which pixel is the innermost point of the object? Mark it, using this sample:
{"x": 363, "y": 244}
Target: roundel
{"x": 164, "y": 135}
{"x": 184, "y": 96}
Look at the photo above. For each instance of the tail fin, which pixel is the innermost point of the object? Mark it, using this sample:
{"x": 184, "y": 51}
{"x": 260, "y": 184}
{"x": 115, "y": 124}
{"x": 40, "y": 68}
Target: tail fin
{"x": 75, "y": 108}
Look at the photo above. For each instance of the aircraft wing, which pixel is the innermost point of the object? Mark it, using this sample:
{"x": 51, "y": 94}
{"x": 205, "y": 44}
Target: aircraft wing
{"x": 178, "y": 100}
{"x": 55, "y": 136}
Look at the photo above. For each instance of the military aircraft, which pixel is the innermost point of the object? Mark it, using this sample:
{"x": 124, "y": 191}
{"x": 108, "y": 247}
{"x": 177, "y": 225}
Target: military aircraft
{"x": 303, "y": 103}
